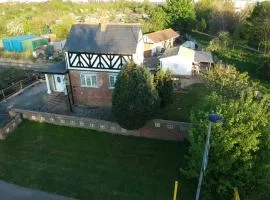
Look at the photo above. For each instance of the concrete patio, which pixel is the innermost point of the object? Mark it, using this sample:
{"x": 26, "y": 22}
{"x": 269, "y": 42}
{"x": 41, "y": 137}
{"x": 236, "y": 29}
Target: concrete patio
{"x": 35, "y": 98}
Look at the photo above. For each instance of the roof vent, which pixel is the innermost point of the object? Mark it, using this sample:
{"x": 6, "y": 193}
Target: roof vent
{"x": 102, "y": 27}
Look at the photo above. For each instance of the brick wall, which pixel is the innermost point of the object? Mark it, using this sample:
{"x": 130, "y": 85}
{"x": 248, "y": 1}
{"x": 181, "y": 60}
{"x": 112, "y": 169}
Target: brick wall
{"x": 101, "y": 96}
{"x": 9, "y": 127}
{"x": 156, "y": 129}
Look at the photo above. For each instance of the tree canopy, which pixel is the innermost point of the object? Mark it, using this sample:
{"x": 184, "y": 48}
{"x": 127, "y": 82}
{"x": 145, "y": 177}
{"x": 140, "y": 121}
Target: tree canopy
{"x": 239, "y": 144}
{"x": 164, "y": 85}
{"x": 180, "y": 14}
{"x": 135, "y": 98}
{"x": 257, "y": 26}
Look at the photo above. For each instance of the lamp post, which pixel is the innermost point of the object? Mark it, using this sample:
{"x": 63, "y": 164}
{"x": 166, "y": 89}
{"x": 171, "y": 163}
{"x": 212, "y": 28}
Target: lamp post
{"x": 213, "y": 118}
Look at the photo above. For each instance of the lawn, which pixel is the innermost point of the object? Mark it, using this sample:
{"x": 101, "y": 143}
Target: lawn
{"x": 179, "y": 109}
{"x": 203, "y": 39}
{"x": 242, "y": 59}
{"x": 87, "y": 164}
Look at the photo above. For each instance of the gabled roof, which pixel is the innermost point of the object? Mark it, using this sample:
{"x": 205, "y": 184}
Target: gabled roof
{"x": 203, "y": 56}
{"x": 163, "y": 35}
{"x": 170, "y": 52}
{"x": 114, "y": 39}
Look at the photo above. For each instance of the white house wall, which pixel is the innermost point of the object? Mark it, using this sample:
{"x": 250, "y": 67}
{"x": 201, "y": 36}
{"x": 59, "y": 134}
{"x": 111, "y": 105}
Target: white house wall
{"x": 177, "y": 65}
{"x": 147, "y": 40}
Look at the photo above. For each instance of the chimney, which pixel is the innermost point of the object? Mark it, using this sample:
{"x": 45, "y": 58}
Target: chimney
{"x": 102, "y": 26}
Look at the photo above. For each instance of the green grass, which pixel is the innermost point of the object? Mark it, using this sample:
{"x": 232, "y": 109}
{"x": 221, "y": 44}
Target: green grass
{"x": 201, "y": 38}
{"x": 242, "y": 59}
{"x": 179, "y": 109}
{"x": 87, "y": 164}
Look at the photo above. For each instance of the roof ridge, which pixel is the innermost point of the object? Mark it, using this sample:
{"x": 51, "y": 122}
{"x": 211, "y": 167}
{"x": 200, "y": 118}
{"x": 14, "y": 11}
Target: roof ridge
{"x": 160, "y": 31}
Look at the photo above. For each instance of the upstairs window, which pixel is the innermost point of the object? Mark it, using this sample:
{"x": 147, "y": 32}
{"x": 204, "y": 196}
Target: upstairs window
{"x": 89, "y": 80}
{"x": 112, "y": 80}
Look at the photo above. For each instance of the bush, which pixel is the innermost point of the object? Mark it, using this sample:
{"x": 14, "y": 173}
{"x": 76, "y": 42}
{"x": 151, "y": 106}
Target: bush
{"x": 264, "y": 71}
{"x": 221, "y": 42}
{"x": 164, "y": 85}
{"x": 135, "y": 98}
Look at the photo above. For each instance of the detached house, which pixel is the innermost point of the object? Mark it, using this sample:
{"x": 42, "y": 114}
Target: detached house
{"x": 156, "y": 41}
{"x": 94, "y": 55}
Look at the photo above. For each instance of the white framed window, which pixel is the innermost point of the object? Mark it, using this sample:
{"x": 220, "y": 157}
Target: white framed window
{"x": 89, "y": 80}
{"x": 112, "y": 80}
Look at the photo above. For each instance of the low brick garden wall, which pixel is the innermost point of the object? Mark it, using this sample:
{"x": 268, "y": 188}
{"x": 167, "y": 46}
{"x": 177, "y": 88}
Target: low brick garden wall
{"x": 10, "y": 126}
{"x": 158, "y": 129}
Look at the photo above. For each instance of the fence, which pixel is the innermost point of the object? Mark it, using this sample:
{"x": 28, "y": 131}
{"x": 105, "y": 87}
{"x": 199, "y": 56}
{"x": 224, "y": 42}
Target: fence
{"x": 158, "y": 129}
{"x": 14, "y": 88}
{"x": 10, "y": 126}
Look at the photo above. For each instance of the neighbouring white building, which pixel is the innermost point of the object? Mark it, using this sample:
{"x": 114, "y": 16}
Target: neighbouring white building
{"x": 183, "y": 61}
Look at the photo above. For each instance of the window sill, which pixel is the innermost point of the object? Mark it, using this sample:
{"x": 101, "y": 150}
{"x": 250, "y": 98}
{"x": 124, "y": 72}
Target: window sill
{"x": 89, "y": 86}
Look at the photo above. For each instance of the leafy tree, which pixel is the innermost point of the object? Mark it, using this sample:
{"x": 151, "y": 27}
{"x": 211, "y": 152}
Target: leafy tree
{"x": 164, "y": 84}
{"x": 201, "y": 25}
{"x": 238, "y": 145}
{"x": 135, "y": 98}
{"x": 157, "y": 20}
{"x": 221, "y": 42}
{"x": 223, "y": 17}
{"x": 180, "y": 14}
{"x": 227, "y": 80}
{"x": 203, "y": 9}
{"x": 264, "y": 70}
{"x": 257, "y": 26}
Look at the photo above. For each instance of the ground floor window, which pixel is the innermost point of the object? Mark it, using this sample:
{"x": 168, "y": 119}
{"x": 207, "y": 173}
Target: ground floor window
{"x": 112, "y": 80}
{"x": 89, "y": 80}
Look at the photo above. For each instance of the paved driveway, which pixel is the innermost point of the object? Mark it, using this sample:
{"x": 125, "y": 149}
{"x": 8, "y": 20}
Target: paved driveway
{"x": 13, "y": 192}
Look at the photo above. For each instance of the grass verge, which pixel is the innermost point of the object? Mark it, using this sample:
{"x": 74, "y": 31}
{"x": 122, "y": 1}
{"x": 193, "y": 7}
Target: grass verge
{"x": 87, "y": 164}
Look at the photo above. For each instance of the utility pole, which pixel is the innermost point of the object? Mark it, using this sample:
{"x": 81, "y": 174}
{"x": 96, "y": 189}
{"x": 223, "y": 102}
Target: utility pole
{"x": 213, "y": 118}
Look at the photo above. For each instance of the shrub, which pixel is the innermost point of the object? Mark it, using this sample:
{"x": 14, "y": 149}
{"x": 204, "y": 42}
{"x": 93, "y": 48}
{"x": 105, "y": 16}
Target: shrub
{"x": 164, "y": 85}
{"x": 264, "y": 71}
{"x": 221, "y": 42}
{"x": 135, "y": 98}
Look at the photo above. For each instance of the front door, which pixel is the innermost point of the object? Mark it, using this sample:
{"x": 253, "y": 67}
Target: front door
{"x": 59, "y": 83}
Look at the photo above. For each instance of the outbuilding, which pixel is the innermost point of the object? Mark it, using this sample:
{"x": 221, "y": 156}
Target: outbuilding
{"x": 185, "y": 61}
{"x": 155, "y": 42}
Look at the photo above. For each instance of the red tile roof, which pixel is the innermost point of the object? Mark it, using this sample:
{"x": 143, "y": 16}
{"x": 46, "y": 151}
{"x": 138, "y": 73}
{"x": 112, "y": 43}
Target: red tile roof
{"x": 162, "y": 35}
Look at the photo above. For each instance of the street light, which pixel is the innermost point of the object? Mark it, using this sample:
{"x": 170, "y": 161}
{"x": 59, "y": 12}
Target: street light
{"x": 213, "y": 118}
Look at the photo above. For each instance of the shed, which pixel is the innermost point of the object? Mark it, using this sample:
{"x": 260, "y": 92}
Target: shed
{"x": 15, "y": 43}
{"x": 184, "y": 61}
{"x": 156, "y": 41}
{"x": 33, "y": 43}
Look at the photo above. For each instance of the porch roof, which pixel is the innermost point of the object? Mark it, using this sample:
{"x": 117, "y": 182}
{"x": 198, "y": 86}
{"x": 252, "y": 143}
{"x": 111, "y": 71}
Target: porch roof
{"x": 57, "y": 68}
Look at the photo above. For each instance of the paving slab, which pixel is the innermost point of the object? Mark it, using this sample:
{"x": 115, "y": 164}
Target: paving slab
{"x": 13, "y": 192}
